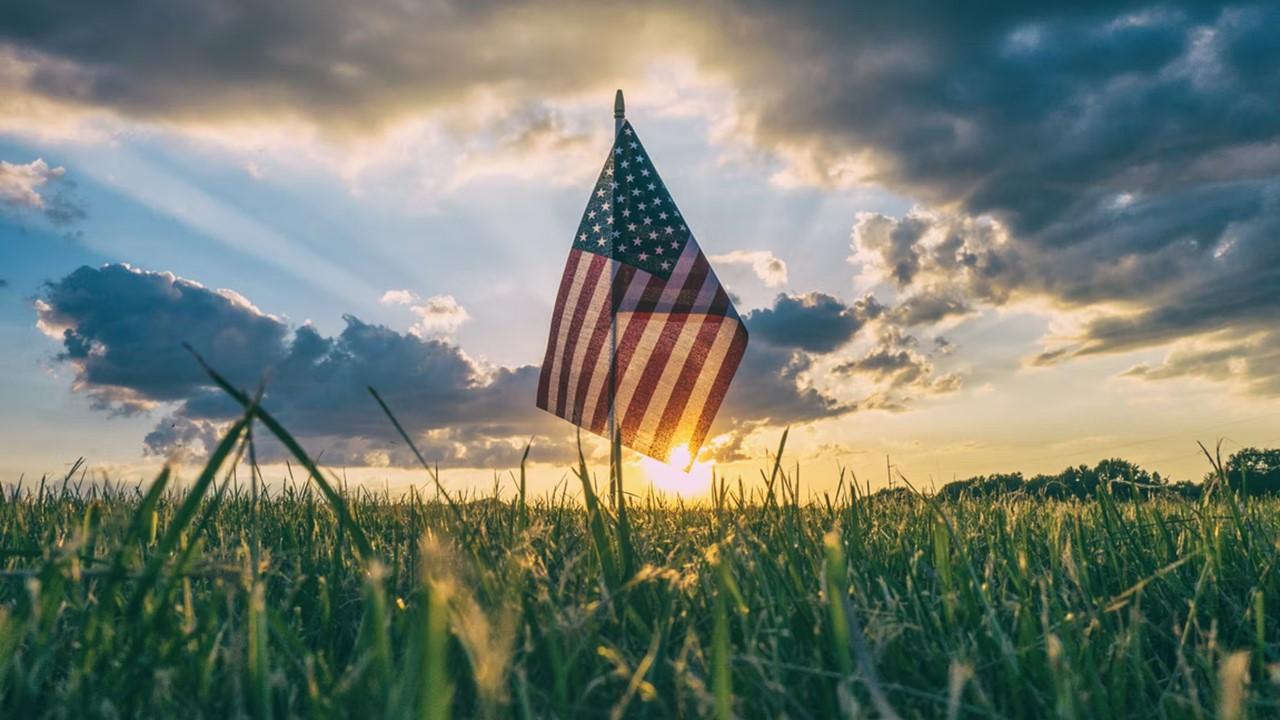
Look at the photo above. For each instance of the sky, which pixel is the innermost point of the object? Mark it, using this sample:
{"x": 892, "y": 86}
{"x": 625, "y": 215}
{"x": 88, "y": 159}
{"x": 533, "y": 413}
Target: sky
{"x": 964, "y": 240}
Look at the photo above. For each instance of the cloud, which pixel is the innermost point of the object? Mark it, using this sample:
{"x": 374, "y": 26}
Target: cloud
{"x": 397, "y": 297}
{"x": 531, "y": 141}
{"x": 815, "y": 322}
{"x": 938, "y": 260}
{"x": 122, "y": 331}
{"x": 771, "y": 270}
{"x": 182, "y": 439}
{"x": 793, "y": 342}
{"x": 1250, "y": 361}
{"x": 1116, "y": 159}
{"x": 930, "y": 306}
{"x": 339, "y": 66}
{"x": 438, "y": 315}
{"x": 1019, "y": 110}
{"x": 1157, "y": 271}
{"x": 893, "y": 244}
{"x": 19, "y": 184}
{"x": 898, "y": 363}
{"x": 1226, "y": 282}
{"x": 37, "y": 187}
{"x": 1049, "y": 358}
{"x": 773, "y": 387}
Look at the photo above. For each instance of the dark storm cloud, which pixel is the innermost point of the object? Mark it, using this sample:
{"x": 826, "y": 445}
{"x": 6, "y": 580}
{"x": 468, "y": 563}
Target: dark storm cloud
{"x": 770, "y": 388}
{"x": 1030, "y": 110}
{"x": 1023, "y": 110}
{"x": 815, "y": 322}
{"x": 1195, "y": 261}
{"x": 775, "y": 383}
{"x": 344, "y": 64}
{"x": 1123, "y": 157}
{"x": 1230, "y": 289}
{"x": 122, "y": 332}
{"x": 122, "y": 329}
{"x": 771, "y": 385}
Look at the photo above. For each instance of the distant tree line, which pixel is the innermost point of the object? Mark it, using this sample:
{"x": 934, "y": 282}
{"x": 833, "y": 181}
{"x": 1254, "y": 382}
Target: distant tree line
{"x": 1250, "y": 471}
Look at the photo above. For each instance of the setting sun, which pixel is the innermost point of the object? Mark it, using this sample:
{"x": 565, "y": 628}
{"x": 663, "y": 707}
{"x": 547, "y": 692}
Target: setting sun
{"x": 670, "y": 476}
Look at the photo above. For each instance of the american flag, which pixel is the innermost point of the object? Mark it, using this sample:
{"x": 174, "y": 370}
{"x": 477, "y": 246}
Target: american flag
{"x": 679, "y": 338}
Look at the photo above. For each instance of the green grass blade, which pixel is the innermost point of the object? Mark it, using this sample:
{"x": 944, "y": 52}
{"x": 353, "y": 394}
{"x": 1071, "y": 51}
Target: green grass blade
{"x": 336, "y": 502}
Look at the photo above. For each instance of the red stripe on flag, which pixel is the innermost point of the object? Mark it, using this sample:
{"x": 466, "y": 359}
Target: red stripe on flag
{"x": 595, "y": 271}
{"x": 566, "y": 283}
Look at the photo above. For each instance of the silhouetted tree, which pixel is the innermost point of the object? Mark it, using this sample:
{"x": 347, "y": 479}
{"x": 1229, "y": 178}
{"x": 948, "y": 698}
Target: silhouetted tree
{"x": 984, "y": 485}
{"x": 1254, "y": 471}
{"x": 1124, "y": 479}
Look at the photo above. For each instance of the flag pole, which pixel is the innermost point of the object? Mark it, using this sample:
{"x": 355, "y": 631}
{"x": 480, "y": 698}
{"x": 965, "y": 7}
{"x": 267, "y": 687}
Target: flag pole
{"x": 615, "y": 451}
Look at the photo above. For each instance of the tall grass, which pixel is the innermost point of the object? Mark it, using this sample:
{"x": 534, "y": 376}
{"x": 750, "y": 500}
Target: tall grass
{"x": 213, "y": 601}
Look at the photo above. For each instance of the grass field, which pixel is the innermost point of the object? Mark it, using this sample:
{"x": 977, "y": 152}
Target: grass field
{"x": 215, "y": 601}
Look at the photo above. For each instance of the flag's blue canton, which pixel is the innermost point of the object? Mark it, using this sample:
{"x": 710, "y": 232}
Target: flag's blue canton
{"x": 631, "y": 216}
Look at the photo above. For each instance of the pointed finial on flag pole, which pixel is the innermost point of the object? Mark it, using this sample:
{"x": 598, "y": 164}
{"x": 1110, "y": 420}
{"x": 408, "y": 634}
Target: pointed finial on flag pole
{"x": 619, "y": 108}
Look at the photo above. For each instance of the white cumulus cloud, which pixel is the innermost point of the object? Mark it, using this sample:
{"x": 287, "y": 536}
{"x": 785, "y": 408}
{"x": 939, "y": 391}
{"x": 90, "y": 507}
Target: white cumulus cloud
{"x": 437, "y": 315}
{"x": 397, "y": 297}
{"x": 771, "y": 269}
{"x": 20, "y": 184}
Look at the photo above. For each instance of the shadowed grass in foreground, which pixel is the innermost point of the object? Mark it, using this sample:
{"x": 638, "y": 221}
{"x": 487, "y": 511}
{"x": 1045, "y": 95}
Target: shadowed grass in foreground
{"x": 213, "y": 602}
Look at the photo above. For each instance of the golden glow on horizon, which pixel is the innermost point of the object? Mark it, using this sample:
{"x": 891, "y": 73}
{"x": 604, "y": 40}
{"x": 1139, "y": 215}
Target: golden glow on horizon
{"x": 670, "y": 476}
